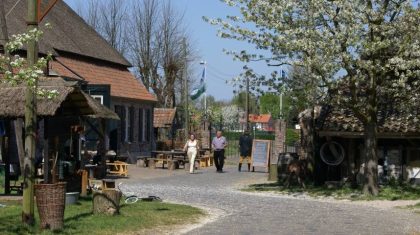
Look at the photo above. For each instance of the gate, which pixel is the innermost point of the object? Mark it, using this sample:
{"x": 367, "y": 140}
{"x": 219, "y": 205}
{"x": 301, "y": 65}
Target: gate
{"x": 232, "y": 136}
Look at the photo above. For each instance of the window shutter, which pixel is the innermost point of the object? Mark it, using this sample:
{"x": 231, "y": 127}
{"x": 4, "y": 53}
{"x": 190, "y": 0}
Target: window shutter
{"x": 131, "y": 124}
{"x": 123, "y": 124}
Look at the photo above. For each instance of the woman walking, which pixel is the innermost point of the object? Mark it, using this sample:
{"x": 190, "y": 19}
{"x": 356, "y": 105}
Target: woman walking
{"x": 191, "y": 147}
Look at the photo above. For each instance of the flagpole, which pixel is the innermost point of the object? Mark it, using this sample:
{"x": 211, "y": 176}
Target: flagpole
{"x": 205, "y": 91}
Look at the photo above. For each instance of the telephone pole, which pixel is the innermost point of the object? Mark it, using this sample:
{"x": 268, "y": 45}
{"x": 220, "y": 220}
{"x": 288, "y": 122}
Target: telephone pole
{"x": 30, "y": 123}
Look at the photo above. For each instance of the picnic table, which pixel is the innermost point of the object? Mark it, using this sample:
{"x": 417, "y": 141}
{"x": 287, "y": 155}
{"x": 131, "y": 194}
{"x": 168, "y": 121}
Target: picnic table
{"x": 172, "y": 158}
{"x": 170, "y": 153}
{"x": 118, "y": 168}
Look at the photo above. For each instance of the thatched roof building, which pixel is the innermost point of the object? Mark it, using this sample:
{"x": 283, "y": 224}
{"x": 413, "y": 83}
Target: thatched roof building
{"x": 70, "y": 101}
{"x": 69, "y": 32}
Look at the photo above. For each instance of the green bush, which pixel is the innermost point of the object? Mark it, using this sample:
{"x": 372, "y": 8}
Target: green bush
{"x": 292, "y": 136}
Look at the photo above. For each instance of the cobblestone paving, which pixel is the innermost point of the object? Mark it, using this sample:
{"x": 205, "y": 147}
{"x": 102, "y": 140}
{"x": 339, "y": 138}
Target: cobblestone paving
{"x": 253, "y": 213}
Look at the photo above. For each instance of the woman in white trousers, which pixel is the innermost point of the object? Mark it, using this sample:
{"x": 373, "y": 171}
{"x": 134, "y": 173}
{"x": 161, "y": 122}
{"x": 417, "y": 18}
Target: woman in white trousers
{"x": 191, "y": 147}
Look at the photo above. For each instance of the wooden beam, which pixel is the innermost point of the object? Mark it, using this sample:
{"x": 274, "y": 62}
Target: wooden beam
{"x": 41, "y": 15}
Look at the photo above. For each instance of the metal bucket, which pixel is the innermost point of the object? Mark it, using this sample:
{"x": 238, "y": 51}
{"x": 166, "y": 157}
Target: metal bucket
{"x": 72, "y": 198}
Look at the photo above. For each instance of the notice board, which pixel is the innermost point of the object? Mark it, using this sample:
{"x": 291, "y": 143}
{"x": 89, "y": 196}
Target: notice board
{"x": 260, "y": 153}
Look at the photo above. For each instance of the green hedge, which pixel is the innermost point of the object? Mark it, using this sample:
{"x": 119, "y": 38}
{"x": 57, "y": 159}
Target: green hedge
{"x": 264, "y": 135}
{"x": 292, "y": 136}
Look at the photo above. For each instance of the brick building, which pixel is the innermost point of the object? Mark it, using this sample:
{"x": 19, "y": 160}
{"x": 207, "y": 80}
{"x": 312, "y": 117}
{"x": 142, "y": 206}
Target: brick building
{"x": 81, "y": 54}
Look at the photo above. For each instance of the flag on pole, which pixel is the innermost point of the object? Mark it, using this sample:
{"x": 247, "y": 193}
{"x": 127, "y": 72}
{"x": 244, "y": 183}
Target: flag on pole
{"x": 200, "y": 89}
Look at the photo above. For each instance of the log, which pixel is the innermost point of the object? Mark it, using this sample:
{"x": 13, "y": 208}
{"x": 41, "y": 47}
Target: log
{"x": 107, "y": 202}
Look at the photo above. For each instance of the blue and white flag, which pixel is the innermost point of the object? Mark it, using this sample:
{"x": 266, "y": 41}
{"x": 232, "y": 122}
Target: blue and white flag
{"x": 200, "y": 89}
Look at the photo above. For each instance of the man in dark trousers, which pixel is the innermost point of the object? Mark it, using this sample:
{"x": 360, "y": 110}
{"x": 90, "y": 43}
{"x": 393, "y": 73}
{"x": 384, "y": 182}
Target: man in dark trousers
{"x": 245, "y": 148}
{"x": 219, "y": 144}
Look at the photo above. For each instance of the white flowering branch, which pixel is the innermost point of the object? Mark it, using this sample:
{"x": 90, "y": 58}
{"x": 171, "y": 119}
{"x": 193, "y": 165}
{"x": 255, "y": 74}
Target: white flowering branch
{"x": 15, "y": 70}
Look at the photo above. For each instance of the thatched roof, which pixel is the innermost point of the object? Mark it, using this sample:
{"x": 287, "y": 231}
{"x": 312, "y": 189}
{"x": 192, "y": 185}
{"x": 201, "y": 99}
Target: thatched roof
{"x": 70, "y": 101}
{"x": 391, "y": 122}
{"x": 69, "y": 32}
{"x": 163, "y": 118}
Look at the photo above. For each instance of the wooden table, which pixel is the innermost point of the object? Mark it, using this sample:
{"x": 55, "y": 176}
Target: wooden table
{"x": 118, "y": 168}
{"x": 171, "y": 153}
{"x": 168, "y": 157}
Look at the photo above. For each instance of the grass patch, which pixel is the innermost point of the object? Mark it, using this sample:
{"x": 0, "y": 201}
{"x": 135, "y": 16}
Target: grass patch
{"x": 79, "y": 219}
{"x": 390, "y": 193}
{"x": 415, "y": 208}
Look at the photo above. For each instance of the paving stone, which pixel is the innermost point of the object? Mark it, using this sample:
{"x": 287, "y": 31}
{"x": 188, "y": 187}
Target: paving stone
{"x": 248, "y": 213}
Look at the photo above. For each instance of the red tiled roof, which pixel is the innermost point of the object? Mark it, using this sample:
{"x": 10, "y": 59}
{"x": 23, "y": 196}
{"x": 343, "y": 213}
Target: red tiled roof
{"x": 123, "y": 83}
{"x": 163, "y": 117}
{"x": 263, "y": 118}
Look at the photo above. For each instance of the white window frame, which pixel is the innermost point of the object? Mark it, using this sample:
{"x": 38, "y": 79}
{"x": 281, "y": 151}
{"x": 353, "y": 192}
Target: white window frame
{"x": 99, "y": 98}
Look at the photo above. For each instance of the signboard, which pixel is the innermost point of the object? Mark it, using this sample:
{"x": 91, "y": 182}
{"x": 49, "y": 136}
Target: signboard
{"x": 260, "y": 153}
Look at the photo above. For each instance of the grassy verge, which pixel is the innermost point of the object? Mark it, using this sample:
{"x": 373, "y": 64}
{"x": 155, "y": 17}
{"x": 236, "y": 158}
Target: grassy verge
{"x": 80, "y": 220}
{"x": 415, "y": 208}
{"x": 397, "y": 192}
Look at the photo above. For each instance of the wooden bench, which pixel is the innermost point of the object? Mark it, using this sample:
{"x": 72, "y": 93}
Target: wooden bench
{"x": 206, "y": 161}
{"x": 172, "y": 164}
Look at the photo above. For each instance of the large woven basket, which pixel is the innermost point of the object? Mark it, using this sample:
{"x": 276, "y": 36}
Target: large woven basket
{"x": 50, "y": 200}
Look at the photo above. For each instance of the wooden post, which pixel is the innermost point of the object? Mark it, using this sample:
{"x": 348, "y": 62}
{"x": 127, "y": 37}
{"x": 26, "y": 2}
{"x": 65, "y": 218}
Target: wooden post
{"x": 84, "y": 183}
{"x": 30, "y": 123}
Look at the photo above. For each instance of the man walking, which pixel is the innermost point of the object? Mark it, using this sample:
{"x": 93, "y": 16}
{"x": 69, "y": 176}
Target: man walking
{"x": 245, "y": 147}
{"x": 219, "y": 144}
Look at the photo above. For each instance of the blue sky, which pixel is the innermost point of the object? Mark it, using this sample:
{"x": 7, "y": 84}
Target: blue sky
{"x": 209, "y": 47}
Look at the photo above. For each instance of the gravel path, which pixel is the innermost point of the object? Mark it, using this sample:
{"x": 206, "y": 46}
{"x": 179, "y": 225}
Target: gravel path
{"x": 253, "y": 213}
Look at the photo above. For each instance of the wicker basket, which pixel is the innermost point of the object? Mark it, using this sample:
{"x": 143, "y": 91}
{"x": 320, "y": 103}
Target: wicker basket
{"x": 50, "y": 200}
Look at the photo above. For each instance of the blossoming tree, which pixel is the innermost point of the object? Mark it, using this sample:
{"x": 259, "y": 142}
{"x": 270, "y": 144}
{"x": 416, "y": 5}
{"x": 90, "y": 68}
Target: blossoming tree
{"x": 365, "y": 53}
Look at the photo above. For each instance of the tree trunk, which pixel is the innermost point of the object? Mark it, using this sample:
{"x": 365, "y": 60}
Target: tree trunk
{"x": 107, "y": 202}
{"x": 370, "y": 186}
